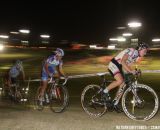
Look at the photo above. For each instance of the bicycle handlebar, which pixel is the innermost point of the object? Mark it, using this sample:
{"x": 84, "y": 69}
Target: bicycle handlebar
{"x": 65, "y": 81}
{"x": 53, "y": 81}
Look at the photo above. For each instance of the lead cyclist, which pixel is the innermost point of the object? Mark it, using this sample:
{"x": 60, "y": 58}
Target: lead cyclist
{"x": 120, "y": 63}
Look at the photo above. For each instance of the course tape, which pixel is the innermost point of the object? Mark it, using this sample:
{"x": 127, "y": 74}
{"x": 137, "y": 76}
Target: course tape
{"x": 95, "y": 74}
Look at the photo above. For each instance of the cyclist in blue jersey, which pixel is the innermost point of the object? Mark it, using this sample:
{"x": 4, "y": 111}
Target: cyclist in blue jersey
{"x": 53, "y": 64}
{"x": 15, "y": 71}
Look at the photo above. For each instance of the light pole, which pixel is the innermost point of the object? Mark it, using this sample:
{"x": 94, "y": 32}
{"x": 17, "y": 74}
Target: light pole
{"x": 134, "y": 25}
{"x": 24, "y": 37}
{"x": 3, "y": 40}
{"x": 120, "y": 40}
{"x": 45, "y": 38}
{"x": 156, "y": 42}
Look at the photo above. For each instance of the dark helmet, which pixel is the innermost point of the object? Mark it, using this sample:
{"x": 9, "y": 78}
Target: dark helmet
{"x": 142, "y": 45}
{"x": 18, "y": 62}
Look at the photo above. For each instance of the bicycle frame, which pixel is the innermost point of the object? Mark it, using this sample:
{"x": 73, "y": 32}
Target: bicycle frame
{"x": 130, "y": 82}
{"x": 53, "y": 83}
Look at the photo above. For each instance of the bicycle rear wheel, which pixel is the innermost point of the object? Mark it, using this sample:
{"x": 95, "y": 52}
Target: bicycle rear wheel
{"x": 92, "y": 102}
{"x": 143, "y": 108}
{"x": 1, "y": 87}
{"x": 59, "y": 98}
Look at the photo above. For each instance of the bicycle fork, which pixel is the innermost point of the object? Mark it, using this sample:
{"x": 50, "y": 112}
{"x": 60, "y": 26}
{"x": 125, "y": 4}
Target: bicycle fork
{"x": 134, "y": 91}
{"x": 119, "y": 93}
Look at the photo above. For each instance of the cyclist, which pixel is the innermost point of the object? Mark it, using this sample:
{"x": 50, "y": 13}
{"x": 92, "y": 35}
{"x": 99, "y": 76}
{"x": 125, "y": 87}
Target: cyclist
{"x": 120, "y": 64}
{"x": 53, "y": 64}
{"x": 15, "y": 71}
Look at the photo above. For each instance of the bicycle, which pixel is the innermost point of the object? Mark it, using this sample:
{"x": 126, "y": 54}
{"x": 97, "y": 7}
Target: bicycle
{"x": 14, "y": 91}
{"x": 139, "y": 101}
{"x": 56, "y": 95}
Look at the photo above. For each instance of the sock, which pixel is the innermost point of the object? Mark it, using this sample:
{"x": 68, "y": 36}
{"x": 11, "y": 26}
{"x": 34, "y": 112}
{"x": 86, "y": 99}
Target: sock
{"x": 105, "y": 90}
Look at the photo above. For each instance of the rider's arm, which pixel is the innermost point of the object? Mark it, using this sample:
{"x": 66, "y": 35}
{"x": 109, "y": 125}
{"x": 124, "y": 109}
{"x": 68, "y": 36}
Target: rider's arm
{"x": 23, "y": 74}
{"x": 60, "y": 70}
{"x": 125, "y": 66}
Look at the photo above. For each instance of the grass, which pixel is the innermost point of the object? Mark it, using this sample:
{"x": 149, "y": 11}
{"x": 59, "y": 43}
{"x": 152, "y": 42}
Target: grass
{"x": 75, "y": 61}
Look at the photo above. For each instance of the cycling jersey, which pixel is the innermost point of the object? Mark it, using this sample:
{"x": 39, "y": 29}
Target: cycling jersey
{"x": 15, "y": 71}
{"x": 115, "y": 64}
{"x": 132, "y": 55}
{"x": 52, "y": 63}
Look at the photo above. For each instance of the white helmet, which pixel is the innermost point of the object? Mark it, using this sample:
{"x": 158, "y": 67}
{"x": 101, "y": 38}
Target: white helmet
{"x": 59, "y": 51}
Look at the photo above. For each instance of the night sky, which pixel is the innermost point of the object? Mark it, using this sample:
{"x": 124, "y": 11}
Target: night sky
{"x": 80, "y": 21}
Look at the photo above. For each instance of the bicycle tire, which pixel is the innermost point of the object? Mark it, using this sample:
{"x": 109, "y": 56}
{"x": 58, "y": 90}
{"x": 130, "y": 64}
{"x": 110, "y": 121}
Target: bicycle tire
{"x": 55, "y": 100}
{"x": 89, "y": 105}
{"x": 149, "y": 90}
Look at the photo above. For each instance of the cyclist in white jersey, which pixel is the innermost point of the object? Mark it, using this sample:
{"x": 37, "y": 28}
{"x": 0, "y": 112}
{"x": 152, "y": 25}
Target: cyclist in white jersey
{"x": 52, "y": 65}
{"x": 120, "y": 63}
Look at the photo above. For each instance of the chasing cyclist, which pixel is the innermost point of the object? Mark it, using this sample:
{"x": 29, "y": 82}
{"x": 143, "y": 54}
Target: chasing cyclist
{"x": 15, "y": 72}
{"x": 120, "y": 64}
{"x": 53, "y": 64}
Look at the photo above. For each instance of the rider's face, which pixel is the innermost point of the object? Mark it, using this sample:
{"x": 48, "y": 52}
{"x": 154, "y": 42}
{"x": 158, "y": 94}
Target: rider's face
{"x": 143, "y": 52}
{"x": 59, "y": 57}
{"x": 18, "y": 67}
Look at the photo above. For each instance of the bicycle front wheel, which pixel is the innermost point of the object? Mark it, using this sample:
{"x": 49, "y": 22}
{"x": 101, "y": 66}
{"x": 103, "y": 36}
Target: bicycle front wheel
{"x": 142, "y": 108}
{"x": 59, "y": 98}
{"x": 92, "y": 102}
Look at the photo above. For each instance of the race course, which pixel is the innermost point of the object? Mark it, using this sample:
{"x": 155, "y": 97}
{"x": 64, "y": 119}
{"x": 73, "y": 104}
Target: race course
{"x": 19, "y": 117}
{"x": 74, "y": 118}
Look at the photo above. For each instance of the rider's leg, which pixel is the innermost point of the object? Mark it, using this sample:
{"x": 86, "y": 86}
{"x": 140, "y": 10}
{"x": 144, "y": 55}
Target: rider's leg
{"x": 44, "y": 82}
{"x": 43, "y": 88}
{"x": 119, "y": 80}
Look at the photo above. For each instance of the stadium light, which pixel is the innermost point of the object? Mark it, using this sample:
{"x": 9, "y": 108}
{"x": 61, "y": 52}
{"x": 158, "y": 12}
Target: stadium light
{"x": 1, "y": 47}
{"x": 134, "y": 24}
{"x": 92, "y": 46}
{"x": 121, "y": 28}
{"x": 111, "y": 47}
{"x": 156, "y": 40}
{"x": 14, "y": 32}
{"x": 24, "y": 31}
{"x": 4, "y": 36}
{"x": 121, "y": 39}
{"x": 127, "y": 34}
{"x": 113, "y": 39}
{"x": 45, "y": 36}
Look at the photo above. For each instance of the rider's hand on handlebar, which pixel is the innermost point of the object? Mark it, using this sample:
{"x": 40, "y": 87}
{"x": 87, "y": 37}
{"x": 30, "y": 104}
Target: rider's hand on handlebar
{"x": 50, "y": 75}
{"x": 65, "y": 77}
{"x": 136, "y": 72}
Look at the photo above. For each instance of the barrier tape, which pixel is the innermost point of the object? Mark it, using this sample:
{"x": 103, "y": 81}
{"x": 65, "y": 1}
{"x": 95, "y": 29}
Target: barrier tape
{"x": 95, "y": 74}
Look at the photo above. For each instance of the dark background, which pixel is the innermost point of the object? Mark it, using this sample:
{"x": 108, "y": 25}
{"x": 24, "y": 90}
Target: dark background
{"x": 80, "y": 21}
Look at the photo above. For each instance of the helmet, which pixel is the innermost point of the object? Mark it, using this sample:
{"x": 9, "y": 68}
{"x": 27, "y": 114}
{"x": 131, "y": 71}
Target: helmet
{"x": 18, "y": 63}
{"x": 142, "y": 45}
{"x": 59, "y": 51}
